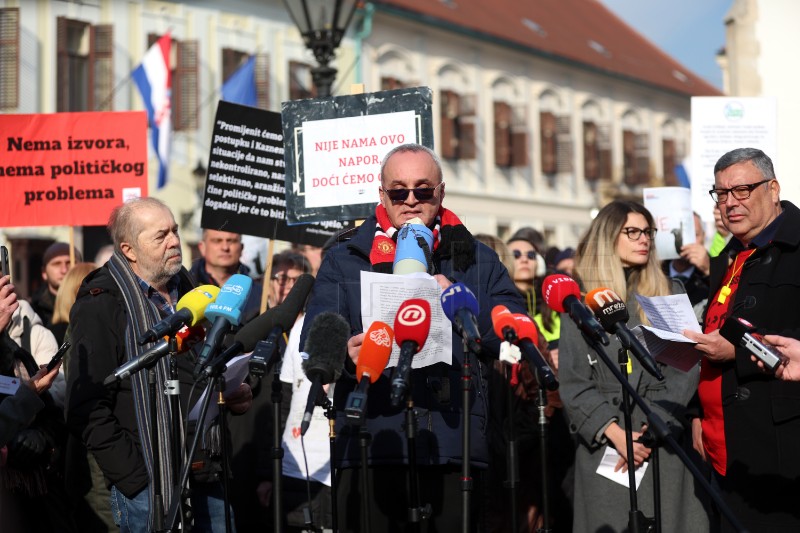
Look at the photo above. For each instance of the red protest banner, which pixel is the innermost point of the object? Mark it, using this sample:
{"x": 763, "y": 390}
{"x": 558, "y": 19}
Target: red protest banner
{"x": 70, "y": 169}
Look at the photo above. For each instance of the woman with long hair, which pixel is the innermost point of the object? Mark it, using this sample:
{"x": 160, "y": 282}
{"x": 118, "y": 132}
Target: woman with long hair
{"x": 65, "y": 297}
{"x": 618, "y": 252}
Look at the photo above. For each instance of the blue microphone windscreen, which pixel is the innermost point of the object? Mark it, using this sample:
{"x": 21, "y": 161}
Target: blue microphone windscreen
{"x": 231, "y": 299}
{"x": 457, "y": 296}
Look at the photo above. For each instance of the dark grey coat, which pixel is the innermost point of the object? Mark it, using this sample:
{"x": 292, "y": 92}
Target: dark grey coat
{"x": 592, "y": 397}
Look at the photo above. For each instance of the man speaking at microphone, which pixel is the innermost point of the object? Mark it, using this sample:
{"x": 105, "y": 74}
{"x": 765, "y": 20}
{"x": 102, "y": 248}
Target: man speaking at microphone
{"x": 412, "y": 187}
{"x": 139, "y": 286}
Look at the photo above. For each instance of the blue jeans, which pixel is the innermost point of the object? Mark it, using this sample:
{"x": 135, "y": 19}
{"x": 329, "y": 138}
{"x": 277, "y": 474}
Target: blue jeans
{"x": 209, "y": 508}
{"x": 130, "y": 514}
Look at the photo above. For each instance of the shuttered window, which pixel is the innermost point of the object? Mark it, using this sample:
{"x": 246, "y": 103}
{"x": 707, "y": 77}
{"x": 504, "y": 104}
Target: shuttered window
{"x": 233, "y": 59}
{"x": 185, "y": 69}
{"x": 564, "y": 144}
{"x": 262, "y": 80}
{"x": 510, "y": 136}
{"x": 547, "y": 127}
{"x": 604, "y": 147}
{"x": 669, "y": 160}
{"x": 185, "y": 82}
{"x": 389, "y": 83}
{"x": 502, "y": 134}
{"x": 301, "y": 85}
{"x": 85, "y": 66}
{"x": 591, "y": 152}
{"x": 458, "y": 127}
{"x": 642, "y": 171}
{"x": 9, "y": 57}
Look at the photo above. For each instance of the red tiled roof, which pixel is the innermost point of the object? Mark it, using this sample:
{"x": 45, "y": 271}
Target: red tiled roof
{"x": 580, "y": 31}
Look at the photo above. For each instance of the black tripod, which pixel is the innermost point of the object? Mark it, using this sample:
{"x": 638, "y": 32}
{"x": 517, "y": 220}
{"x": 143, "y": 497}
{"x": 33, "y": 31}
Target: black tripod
{"x": 637, "y": 521}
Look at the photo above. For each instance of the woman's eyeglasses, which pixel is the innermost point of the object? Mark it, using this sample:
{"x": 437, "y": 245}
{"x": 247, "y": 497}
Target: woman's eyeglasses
{"x": 530, "y": 253}
{"x": 423, "y": 194}
{"x": 283, "y": 279}
{"x": 635, "y": 234}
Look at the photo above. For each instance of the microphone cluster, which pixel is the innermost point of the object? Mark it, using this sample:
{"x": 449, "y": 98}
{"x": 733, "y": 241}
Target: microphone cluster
{"x": 222, "y": 308}
{"x": 603, "y": 312}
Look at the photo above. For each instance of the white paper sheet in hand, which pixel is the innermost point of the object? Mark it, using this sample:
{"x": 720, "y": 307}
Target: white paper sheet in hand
{"x": 610, "y": 460}
{"x": 237, "y": 369}
{"x": 669, "y": 316}
{"x": 381, "y": 296}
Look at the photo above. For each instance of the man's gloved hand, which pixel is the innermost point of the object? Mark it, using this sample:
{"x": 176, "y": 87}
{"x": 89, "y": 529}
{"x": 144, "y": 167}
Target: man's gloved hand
{"x": 28, "y": 449}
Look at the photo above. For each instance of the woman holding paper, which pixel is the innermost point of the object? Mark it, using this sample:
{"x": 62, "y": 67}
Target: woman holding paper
{"x": 617, "y": 252}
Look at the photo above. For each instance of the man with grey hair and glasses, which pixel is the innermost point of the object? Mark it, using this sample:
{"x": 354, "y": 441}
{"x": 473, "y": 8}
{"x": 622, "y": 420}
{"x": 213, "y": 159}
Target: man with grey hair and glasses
{"x": 749, "y": 425}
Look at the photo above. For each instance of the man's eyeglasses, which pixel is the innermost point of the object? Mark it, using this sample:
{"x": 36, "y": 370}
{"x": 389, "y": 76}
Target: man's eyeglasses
{"x": 740, "y": 192}
{"x": 423, "y": 194}
{"x": 530, "y": 253}
{"x": 634, "y": 234}
{"x": 283, "y": 279}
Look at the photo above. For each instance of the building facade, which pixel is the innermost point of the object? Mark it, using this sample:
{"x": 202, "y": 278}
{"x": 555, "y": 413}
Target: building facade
{"x": 542, "y": 111}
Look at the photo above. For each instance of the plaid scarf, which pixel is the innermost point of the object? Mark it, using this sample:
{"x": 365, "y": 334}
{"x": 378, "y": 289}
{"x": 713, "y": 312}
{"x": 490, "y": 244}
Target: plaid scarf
{"x": 450, "y": 238}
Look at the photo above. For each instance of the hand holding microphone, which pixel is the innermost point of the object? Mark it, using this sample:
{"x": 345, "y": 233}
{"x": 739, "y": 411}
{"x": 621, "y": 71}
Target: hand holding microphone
{"x": 562, "y": 294}
{"x": 411, "y": 327}
{"x": 374, "y": 355}
{"x": 190, "y": 310}
{"x": 325, "y": 349}
{"x": 612, "y": 313}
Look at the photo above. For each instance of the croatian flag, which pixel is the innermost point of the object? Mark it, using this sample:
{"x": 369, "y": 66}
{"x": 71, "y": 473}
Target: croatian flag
{"x": 154, "y": 80}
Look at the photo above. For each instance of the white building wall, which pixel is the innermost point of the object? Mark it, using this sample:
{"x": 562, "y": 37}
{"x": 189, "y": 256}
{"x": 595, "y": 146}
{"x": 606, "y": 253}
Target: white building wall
{"x": 487, "y": 198}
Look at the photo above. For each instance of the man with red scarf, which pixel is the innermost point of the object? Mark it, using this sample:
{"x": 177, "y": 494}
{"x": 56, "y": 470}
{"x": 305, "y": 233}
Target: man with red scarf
{"x": 749, "y": 429}
{"x": 412, "y": 187}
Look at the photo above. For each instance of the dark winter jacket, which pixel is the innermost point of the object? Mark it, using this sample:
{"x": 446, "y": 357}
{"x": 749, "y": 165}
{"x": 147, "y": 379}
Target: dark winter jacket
{"x": 104, "y": 416}
{"x": 761, "y": 413}
{"x": 436, "y": 389}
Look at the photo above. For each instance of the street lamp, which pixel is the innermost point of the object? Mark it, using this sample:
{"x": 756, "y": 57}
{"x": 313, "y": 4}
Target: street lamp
{"x": 322, "y": 23}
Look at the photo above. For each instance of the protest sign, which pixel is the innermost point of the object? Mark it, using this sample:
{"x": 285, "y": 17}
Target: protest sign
{"x": 70, "y": 169}
{"x": 721, "y": 124}
{"x": 335, "y": 146}
{"x": 671, "y": 208}
{"x": 244, "y": 191}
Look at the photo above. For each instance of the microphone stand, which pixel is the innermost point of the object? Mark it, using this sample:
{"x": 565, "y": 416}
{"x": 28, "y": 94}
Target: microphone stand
{"x": 661, "y": 432}
{"x": 541, "y": 405}
{"x": 330, "y": 414}
{"x": 466, "y": 475}
{"x": 216, "y": 369}
{"x": 416, "y": 512}
{"x": 223, "y": 429}
{"x": 172, "y": 388}
{"x": 512, "y": 461}
{"x": 277, "y": 452}
{"x": 364, "y": 439}
{"x": 158, "y": 497}
{"x": 637, "y": 521}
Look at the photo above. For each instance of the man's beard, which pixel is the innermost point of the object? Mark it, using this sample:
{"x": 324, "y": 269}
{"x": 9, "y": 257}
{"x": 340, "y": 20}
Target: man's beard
{"x": 165, "y": 271}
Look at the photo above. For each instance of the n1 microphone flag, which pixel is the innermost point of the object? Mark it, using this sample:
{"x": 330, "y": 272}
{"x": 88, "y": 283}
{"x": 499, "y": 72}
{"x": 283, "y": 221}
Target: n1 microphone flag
{"x": 240, "y": 87}
{"x": 154, "y": 80}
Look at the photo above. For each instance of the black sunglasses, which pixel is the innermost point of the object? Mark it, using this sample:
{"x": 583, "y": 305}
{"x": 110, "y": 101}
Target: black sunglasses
{"x": 423, "y": 194}
{"x": 531, "y": 254}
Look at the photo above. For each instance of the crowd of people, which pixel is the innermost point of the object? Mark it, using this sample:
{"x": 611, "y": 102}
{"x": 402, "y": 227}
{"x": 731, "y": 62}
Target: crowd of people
{"x": 80, "y": 453}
